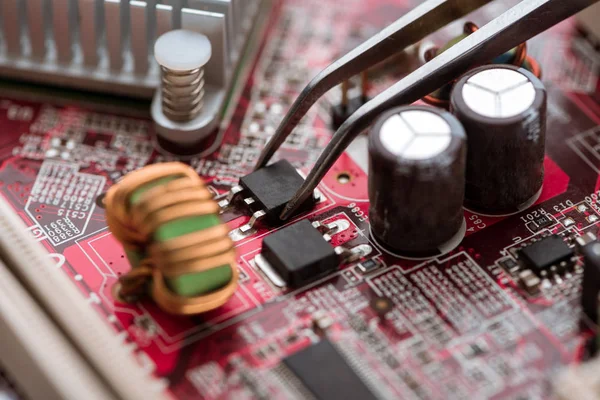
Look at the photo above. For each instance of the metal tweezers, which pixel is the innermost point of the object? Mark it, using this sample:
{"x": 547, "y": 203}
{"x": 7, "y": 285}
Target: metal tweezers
{"x": 521, "y": 22}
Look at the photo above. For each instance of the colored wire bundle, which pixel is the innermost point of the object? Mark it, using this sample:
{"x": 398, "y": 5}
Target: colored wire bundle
{"x": 517, "y": 57}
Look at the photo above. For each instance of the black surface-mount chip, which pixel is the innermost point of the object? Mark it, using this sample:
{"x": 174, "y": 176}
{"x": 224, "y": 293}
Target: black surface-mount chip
{"x": 367, "y": 266}
{"x": 326, "y": 374}
{"x": 510, "y": 265}
{"x": 272, "y": 187}
{"x": 543, "y": 221}
{"x": 540, "y": 222}
{"x": 299, "y": 253}
{"x": 545, "y": 253}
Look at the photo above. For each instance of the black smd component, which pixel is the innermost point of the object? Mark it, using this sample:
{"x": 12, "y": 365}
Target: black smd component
{"x": 326, "y": 374}
{"x": 272, "y": 187}
{"x": 368, "y": 266}
{"x": 543, "y": 221}
{"x": 541, "y": 255}
{"x": 299, "y": 253}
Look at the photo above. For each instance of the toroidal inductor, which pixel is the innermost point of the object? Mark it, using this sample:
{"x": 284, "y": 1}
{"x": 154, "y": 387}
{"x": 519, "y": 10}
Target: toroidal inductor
{"x": 179, "y": 250}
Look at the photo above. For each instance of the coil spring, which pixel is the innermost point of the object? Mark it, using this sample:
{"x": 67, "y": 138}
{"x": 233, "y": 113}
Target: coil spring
{"x": 170, "y": 192}
{"x": 182, "y": 93}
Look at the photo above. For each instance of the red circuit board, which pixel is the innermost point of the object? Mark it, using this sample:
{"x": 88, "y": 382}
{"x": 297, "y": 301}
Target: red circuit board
{"x": 460, "y": 328}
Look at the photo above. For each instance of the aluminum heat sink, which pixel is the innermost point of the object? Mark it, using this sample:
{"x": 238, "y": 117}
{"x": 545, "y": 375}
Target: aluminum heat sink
{"x": 107, "y": 45}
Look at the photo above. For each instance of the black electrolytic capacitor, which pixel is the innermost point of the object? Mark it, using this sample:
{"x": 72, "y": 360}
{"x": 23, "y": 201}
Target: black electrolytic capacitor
{"x": 417, "y": 158}
{"x": 503, "y": 111}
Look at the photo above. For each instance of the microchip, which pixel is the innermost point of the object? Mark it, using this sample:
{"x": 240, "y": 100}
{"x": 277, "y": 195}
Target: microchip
{"x": 299, "y": 253}
{"x": 272, "y": 187}
{"x": 326, "y": 374}
{"x": 541, "y": 255}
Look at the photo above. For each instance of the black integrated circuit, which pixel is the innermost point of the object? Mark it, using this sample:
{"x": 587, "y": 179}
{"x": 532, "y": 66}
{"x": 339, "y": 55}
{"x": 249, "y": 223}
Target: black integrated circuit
{"x": 325, "y": 373}
{"x": 299, "y": 253}
{"x": 548, "y": 252}
{"x": 272, "y": 187}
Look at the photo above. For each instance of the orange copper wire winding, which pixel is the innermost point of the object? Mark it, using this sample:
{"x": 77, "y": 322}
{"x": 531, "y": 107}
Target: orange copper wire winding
{"x": 200, "y": 264}
{"x": 180, "y": 196}
{"x": 175, "y": 304}
{"x": 518, "y": 60}
{"x": 167, "y": 199}
{"x": 116, "y": 199}
{"x": 192, "y": 239}
{"x": 520, "y": 52}
{"x": 215, "y": 247}
{"x": 178, "y": 211}
{"x": 143, "y": 176}
{"x": 436, "y": 101}
{"x": 134, "y": 282}
{"x": 535, "y": 66}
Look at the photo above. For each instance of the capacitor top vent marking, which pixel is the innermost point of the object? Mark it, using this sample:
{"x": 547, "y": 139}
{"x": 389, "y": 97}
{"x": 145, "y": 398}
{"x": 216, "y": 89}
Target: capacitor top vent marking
{"x": 417, "y": 159}
{"x": 503, "y": 111}
{"x": 182, "y": 55}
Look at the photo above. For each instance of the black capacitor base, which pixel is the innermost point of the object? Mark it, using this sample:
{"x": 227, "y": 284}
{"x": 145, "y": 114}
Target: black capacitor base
{"x": 475, "y": 207}
{"x": 409, "y": 254}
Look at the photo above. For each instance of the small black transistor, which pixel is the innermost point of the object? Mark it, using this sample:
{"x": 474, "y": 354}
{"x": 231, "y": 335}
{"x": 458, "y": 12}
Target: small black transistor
{"x": 272, "y": 187}
{"x": 549, "y": 251}
{"x": 299, "y": 253}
